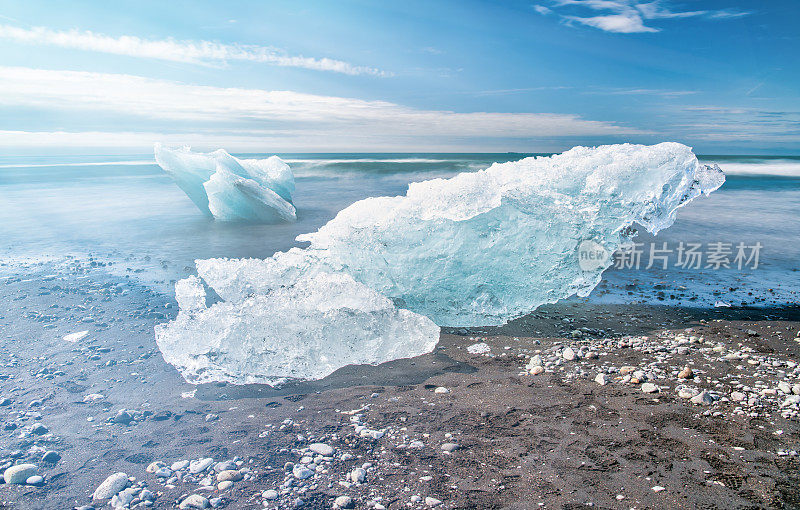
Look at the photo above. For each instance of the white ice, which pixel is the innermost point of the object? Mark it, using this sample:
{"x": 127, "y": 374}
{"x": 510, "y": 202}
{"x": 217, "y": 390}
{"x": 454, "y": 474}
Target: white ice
{"x": 232, "y": 189}
{"x": 480, "y": 248}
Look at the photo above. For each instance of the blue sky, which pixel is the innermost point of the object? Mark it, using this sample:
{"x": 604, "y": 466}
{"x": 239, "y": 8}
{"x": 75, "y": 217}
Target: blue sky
{"x": 289, "y": 76}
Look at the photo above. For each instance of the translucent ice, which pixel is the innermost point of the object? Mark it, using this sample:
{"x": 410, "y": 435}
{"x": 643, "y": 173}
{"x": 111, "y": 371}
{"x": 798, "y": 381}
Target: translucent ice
{"x": 302, "y": 329}
{"x": 477, "y": 249}
{"x": 232, "y": 189}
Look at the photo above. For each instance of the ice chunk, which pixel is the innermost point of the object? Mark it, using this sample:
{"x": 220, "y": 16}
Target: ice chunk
{"x": 232, "y": 189}
{"x": 477, "y": 249}
{"x": 304, "y": 328}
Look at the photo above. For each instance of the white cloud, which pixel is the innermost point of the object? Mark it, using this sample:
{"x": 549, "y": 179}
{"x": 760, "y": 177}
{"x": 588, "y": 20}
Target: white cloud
{"x": 541, "y": 9}
{"x": 196, "y": 52}
{"x": 281, "y": 111}
{"x": 627, "y": 23}
{"x": 628, "y": 16}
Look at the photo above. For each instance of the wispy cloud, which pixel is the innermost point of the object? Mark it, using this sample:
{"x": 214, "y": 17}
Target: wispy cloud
{"x": 642, "y": 92}
{"x": 156, "y": 102}
{"x": 195, "y": 52}
{"x": 627, "y": 16}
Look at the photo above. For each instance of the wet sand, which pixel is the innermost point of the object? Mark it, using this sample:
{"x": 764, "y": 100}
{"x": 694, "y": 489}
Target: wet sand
{"x": 109, "y": 403}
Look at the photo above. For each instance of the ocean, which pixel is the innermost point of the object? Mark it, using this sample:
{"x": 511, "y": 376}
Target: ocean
{"x": 125, "y": 213}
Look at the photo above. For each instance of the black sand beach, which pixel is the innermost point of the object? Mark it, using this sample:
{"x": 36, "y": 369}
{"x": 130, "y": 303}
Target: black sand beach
{"x": 467, "y": 426}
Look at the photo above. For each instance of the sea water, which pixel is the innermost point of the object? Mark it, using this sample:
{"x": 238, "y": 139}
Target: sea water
{"x": 126, "y": 212}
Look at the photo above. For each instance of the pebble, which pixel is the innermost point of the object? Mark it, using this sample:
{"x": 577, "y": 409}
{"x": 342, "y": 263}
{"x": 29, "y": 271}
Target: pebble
{"x": 229, "y": 475}
{"x": 568, "y": 354}
{"x": 20, "y": 473}
{"x": 35, "y": 480}
{"x": 432, "y": 502}
{"x": 441, "y": 389}
{"x": 703, "y": 398}
{"x": 601, "y": 379}
{"x": 270, "y": 494}
{"x": 321, "y": 449}
{"x": 686, "y": 373}
{"x": 358, "y": 475}
{"x": 200, "y": 465}
{"x": 194, "y": 502}
{"x": 450, "y": 447}
{"x": 649, "y": 388}
{"x": 538, "y": 369}
{"x": 301, "y": 472}
{"x": 224, "y": 485}
{"x": 343, "y": 502}
{"x": 111, "y": 486}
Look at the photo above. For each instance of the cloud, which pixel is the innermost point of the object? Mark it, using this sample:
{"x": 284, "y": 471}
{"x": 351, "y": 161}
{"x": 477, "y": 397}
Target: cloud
{"x": 207, "y": 107}
{"x": 627, "y": 23}
{"x": 195, "y": 52}
{"x": 541, "y": 9}
{"x": 629, "y": 16}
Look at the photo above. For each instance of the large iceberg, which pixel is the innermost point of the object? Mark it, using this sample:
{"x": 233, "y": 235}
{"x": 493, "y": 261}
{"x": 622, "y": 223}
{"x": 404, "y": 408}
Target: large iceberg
{"x": 480, "y": 248}
{"x": 232, "y": 189}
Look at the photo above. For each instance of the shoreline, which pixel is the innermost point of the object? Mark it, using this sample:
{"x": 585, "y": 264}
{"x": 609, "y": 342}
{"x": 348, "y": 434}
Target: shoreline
{"x": 553, "y": 440}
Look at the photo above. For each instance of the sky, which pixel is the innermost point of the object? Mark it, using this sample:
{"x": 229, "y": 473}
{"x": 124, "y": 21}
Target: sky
{"x": 411, "y": 76}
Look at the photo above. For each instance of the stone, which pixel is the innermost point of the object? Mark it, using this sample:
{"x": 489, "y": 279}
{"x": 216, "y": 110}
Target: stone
{"x": 178, "y": 465}
{"x": 321, "y": 449}
{"x": 200, "y": 465}
{"x": 686, "y": 373}
{"x": 538, "y": 369}
{"x": 432, "y": 502}
{"x": 20, "y": 473}
{"x": 229, "y": 475}
{"x": 224, "y": 485}
{"x": 702, "y": 398}
{"x": 194, "y": 502}
{"x": 35, "y": 480}
{"x": 441, "y": 389}
{"x": 568, "y": 354}
{"x": 650, "y": 388}
{"x": 358, "y": 475}
{"x": 270, "y": 494}
{"x": 301, "y": 472}
{"x": 111, "y": 486}
{"x": 51, "y": 457}
{"x": 450, "y": 447}
{"x": 601, "y": 379}
{"x": 343, "y": 502}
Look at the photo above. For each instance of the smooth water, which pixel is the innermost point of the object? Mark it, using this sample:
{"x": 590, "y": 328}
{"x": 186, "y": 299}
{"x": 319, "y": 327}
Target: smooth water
{"x": 127, "y": 211}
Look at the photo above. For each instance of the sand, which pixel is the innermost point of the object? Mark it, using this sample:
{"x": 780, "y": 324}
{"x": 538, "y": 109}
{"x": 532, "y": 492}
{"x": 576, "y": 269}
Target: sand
{"x": 554, "y": 440}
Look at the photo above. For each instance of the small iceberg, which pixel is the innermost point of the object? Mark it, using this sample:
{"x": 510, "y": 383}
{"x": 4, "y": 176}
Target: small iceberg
{"x": 477, "y": 249}
{"x": 231, "y": 189}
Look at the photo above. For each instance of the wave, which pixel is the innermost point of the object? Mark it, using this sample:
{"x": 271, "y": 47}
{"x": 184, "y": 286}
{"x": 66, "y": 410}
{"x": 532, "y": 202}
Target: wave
{"x": 93, "y": 163}
{"x": 773, "y": 167}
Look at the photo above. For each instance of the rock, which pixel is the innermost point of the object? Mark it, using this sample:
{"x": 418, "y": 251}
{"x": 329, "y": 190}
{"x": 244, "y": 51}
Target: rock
{"x": 20, "y": 473}
{"x": 686, "y": 392}
{"x": 178, "y": 465}
{"x": 270, "y": 494}
{"x": 155, "y": 466}
{"x": 738, "y": 396}
{"x": 35, "y": 480}
{"x": 358, "y": 475}
{"x": 147, "y": 495}
{"x": 568, "y": 354}
{"x": 450, "y": 447}
{"x": 650, "y": 388}
{"x": 301, "y": 472}
{"x": 51, "y": 457}
{"x": 702, "y": 398}
{"x": 441, "y": 389}
{"x": 601, "y": 379}
{"x": 686, "y": 373}
{"x": 224, "y": 485}
{"x": 124, "y": 498}
{"x": 321, "y": 449}
{"x": 432, "y": 502}
{"x": 194, "y": 502}
{"x": 343, "y": 502}
{"x": 229, "y": 475}
{"x": 111, "y": 486}
{"x": 658, "y": 488}
{"x": 123, "y": 417}
{"x": 784, "y": 387}
{"x": 200, "y": 465}
{"x": 39, "y": 429}
{"x": 224, "y": 465}
{"x": 479, "y": 348}
{"x": 538, "y": 369}
{"x": 627, "y": 369}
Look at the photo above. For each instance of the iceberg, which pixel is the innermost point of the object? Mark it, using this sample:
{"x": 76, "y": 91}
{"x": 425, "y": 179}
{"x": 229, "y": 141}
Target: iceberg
{"x": 304, "y": 329}
{"x": 231, "y": 189}
{"x": 480, "y": 248}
